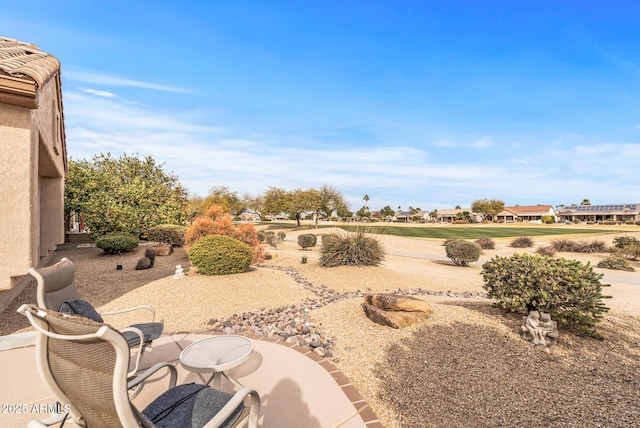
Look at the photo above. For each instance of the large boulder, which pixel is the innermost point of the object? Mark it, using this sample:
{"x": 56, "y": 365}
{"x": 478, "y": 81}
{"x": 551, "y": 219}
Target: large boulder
{"x": 395, "y": 311}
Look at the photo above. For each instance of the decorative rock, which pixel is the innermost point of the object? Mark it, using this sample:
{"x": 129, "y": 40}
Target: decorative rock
{"x": 162, "y": 249}
{"x": 395, "y": 311}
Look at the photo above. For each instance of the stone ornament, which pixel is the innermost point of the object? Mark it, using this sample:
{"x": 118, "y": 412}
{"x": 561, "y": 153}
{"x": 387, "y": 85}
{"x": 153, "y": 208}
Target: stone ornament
{"x": 179, "y": 272}
{"x": 394, "y": 310}
{"x": 539, "y": 328}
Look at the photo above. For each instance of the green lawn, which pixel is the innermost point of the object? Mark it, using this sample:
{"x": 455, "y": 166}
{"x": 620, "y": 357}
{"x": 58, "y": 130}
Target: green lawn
{"x": 462, "y": 232}
{"x": 474, "y": 232}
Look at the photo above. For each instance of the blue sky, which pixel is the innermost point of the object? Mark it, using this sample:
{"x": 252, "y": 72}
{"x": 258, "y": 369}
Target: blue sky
{"x": 428, "y": 104}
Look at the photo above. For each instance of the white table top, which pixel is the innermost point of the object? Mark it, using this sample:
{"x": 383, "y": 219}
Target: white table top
{"x": 216, "y": 353}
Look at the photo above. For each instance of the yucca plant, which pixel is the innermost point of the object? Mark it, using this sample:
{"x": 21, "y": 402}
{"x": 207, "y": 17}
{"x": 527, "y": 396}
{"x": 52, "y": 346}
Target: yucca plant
{"x": 351, "y": 249}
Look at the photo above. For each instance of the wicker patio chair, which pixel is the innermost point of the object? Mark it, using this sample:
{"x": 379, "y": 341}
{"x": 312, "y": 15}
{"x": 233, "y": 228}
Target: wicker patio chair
{"x": 85, "y": 363}
{"x": 57, "y": 292}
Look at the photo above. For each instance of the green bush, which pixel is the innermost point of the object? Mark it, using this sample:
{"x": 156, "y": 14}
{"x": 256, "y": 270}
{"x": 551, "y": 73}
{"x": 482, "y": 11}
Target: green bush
{"x": 617, "y": 263}
{"x": 307, "y": 240}
{"x": 463, "y": 252}
{"x": 172, "y": 234}
{"x": 262, "y": 236}
{"x": 576, "y": 221}
{"x": 548, "y": 219}
{"x": 115, "y": 243}
{"x": 353, "y": 249}
{"x": 486, "y": 243}
{"x": 569, "y": 290}
{"x": 522, "y": 242}
{"x": 624, "y": 241}
{"x": 638, "y": 223}
{"x": 220, "y": 255}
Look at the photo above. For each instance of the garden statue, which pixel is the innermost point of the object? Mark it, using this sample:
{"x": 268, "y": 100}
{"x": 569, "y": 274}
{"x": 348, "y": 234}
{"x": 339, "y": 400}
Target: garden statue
{"x": 179, "y": 272}
{"x": 538, "y": 328}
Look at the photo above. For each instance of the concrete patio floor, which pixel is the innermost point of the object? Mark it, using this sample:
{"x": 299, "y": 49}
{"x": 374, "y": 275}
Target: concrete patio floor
{"x": 297, "y": 387}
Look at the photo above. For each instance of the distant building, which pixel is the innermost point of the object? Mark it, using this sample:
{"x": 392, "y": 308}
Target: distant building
{"x": 527, "y": 213}
{"x": 614, "y": 212}
{"x": 33, "y": 159}
{"x": 449, "y": 216}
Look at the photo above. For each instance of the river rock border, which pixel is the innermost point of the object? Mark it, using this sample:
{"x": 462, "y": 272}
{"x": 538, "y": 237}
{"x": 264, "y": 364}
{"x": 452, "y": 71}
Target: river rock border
{"x": 293, "y": 324}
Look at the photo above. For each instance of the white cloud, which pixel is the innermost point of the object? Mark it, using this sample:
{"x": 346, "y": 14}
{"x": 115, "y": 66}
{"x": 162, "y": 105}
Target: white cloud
{"x": 100, "y": 78}
{"x": 105, "y": 94}
{"x": 207, "y": 155}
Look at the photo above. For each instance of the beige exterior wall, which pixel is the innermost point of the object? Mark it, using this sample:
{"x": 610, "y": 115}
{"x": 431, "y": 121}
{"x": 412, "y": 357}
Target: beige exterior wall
{"x": 33, "y": 159}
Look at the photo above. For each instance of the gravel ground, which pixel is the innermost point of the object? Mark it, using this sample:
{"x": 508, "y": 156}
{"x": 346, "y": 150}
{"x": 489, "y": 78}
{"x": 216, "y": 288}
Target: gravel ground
{"x": 467, "y": 366}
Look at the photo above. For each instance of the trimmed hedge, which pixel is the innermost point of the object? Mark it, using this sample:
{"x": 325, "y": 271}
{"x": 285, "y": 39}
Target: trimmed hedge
{"x": 569, "y": 290}
{"x": 172, "y": 234}
{"x": 115, "y": 243}
{"x": 463, "y": 252}
{"x": 220, "y": 255}
{"x": 307, "y": 240}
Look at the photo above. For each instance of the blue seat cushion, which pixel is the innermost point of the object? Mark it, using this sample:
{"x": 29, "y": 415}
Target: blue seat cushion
{"x": 82, "y": 308}
{"x": 150, "y": 330}
{"x": 191, "y": 405}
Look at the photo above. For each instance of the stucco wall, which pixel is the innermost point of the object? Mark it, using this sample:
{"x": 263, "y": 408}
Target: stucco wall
{"x": 33, "y": 159}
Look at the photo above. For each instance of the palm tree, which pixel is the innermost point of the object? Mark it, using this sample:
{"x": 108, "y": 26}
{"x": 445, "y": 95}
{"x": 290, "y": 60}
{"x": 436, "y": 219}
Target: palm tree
{"x": 366, "y": 199}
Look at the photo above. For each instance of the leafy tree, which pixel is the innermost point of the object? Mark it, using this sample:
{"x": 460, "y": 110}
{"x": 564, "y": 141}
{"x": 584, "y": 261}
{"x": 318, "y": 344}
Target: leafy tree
{"x": 297, "y": 202}
{"x": 363, "y": 212}
{"x": 222, "y": 196}
{"x": 125, "y": 194}
{"x": 487, "y": 207}
{"x": 327, "y": 200}
{"x": 387, "y": 212}
{"x": 585, "y": 202}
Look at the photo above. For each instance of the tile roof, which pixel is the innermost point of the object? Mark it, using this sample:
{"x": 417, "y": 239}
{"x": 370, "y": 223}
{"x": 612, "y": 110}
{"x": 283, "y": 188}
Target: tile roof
{"x": 529, "y": 209}
{"x": 25, "y": 61}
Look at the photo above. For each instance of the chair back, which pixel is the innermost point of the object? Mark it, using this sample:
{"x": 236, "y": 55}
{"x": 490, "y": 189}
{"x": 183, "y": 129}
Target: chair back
{"x": 85, "y": 365}
{"x": 56, "y": 284}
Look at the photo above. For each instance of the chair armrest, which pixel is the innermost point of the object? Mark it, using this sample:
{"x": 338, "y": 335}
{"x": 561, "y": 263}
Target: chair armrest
{"x": 236, "y": 400}
{"x": 173, "y": 373}
{"x": 140, "y": 347}
{"x": 135, "y": 308}
{"x": 44, "y": 423}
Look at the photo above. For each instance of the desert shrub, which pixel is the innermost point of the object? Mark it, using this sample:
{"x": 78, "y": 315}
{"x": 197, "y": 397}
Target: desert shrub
{"x": 576, "y": 221}
{"x": 546, "y": 250}
{"x": 638, "y": 223}
{"x": 569, "y": 290}
{"x": 522, "y": 242}
{"x": 325, "y": 238}
{"x": 594, "y": 246}
{"x": 610, "y": 223}
{"x": 281, "y": 235}
{"x": 548, "y": 219}
{"x": 115, "y": 243}
{"x": 304, "y": 260}
{"x": 220, "y": 255}
{"x": 307, "y": 240}
{"x": 630, "y": 251}
{"x": 624, "y": 241}
{"x": 617, "y": 263}
{"x": 216, "y": 222}
{"x": 564, "y": 245}
{"x": 463, "y": 252}
{"x": 446, "y": 241}
{"x": 353, "y": 249}
{"x": 262, "y": 235}
{"x": 172, "y": 234}
{"x": 630, "y": 222}
{"x": 486, "y": 243}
